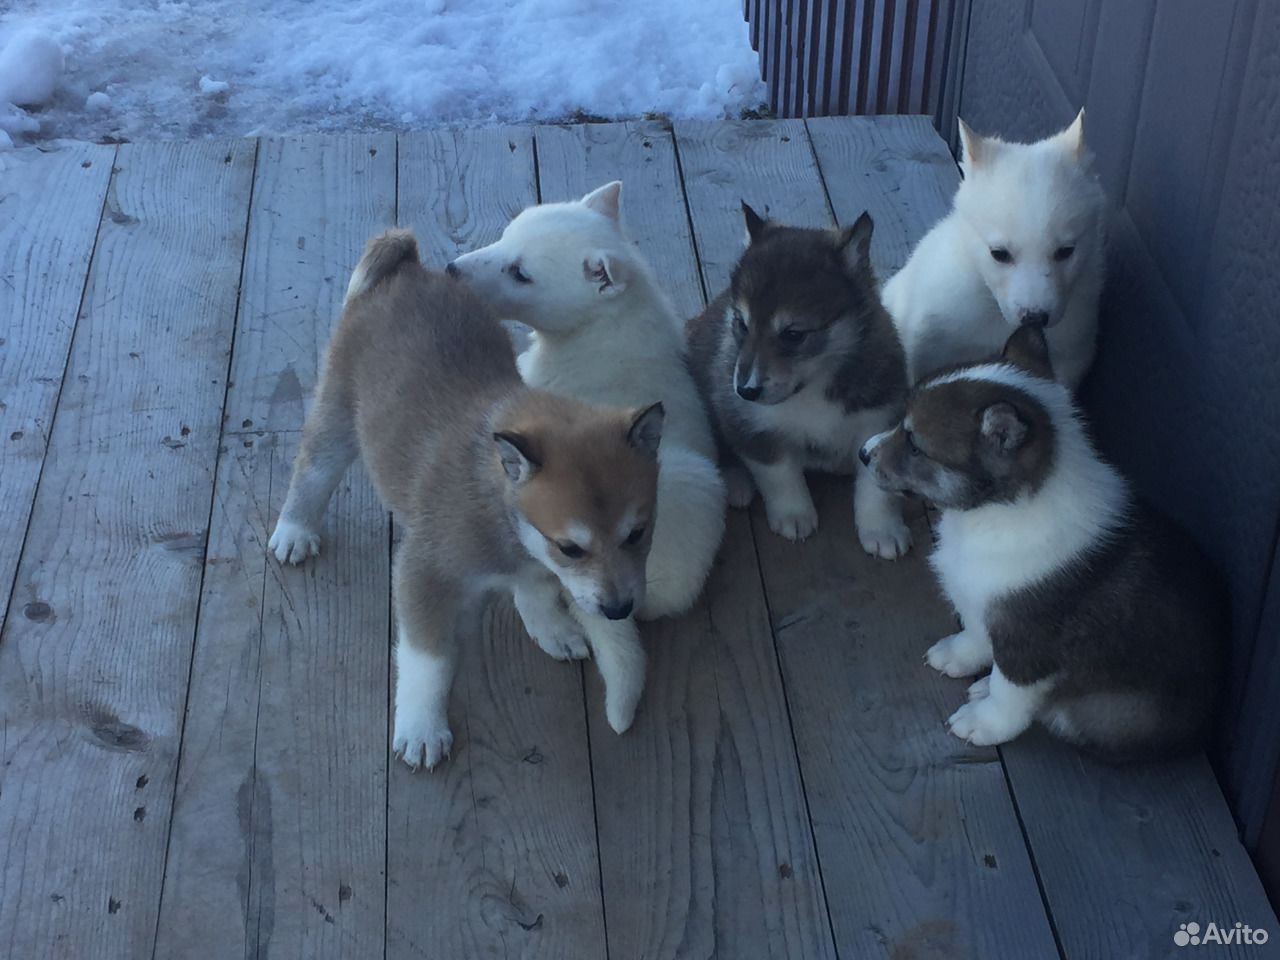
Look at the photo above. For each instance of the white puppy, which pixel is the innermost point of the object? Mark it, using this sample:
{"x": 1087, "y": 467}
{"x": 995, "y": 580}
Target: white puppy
{"x": 605, "y": 333}
{"x": 1023, "y": 244}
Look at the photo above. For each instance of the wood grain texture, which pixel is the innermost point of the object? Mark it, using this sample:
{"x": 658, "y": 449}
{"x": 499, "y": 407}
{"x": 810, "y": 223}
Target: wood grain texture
{"x": 211, "y": 841}
{"x": 317, "y": 884}
{"x": 951, "y": 877}
{"x": 93, "y": 674}
{"x": 1126, "y": 855}
{"x": 317, "y": 200}
{"x": 918, "y": 838}
{"x": 708, "y": 851}
{"x": 895, "y": 168}
{"x": 460, "y": 188}
{"x": 41, "y": 283}
{"x": 279, "y": 828}
{"x": 494, "y": 853}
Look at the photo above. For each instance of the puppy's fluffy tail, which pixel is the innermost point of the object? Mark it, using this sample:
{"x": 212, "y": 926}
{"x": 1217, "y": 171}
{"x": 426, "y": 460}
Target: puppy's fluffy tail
{"x": 690, "y": 525}
{"x": 384, "y": 255}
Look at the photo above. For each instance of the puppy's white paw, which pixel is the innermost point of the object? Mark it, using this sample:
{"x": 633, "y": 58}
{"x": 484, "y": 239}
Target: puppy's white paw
{"x": 793, "y": 519}
{"x": 740, "y": 486}
{"x": 959, "y": 655}
{"x": 885, "y": 536}
{"x": 421, "y": 740}
{"x": 980, "y": 689}
{"x": 984, "y": 724}
{"x": 567, "y": 643}
{"x": 291, "y": 542}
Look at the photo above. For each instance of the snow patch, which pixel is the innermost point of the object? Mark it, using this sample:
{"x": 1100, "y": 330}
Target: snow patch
{"x": 363, "y": 65}
{"x": 30, "y": 65}
{"x": 211, "y": 88}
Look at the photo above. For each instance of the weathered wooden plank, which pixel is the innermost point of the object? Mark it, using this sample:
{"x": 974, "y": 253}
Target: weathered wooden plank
{"x": 1126, "y": 855}
{"x": 93, "y": 675}
{"x": 459, "y": 188}
{"x": 896, "y": 168}
{"x": 211, "y": 838}
{"x": 317, "y": 886}
{"x": 317, "y": 200}
{"x": 493, "y": 854}
{"x": 1168, "y": 825}
{"x": 917, "y": 836}
{"x": 279, "y": 829}
{"x": 710, "y": 851}
{"x": 40, "y": 288}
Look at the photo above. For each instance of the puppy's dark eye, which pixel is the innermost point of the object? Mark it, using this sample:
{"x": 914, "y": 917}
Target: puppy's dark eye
{"x": 792, "y": 336}
{"x": 518, "y": 275}
{"x": 572, "y": 550}
{"x": 739, "y": 321}
{"x": 1063, "y": 253}
{"x": 1001, "y": 255}
{"x": 911, "y": 443}
{"x": 634, "y": 537}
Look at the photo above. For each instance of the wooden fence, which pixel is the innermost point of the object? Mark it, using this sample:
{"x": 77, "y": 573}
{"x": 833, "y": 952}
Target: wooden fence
{"x": 821, "y": 57}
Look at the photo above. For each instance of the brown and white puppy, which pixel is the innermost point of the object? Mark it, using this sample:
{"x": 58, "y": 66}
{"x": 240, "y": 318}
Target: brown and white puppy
{"x": 1095, "y": 614}
{"x": 498, "y": 487}
{"x": 800, "y": 364}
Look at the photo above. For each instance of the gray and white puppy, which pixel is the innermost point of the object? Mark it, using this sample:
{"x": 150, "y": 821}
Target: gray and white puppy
{"x": 800, "y": 364}
{"x": 1097, "y": 616}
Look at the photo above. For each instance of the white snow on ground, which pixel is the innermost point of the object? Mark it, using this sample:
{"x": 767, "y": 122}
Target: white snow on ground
{"x": 164, "y": 69}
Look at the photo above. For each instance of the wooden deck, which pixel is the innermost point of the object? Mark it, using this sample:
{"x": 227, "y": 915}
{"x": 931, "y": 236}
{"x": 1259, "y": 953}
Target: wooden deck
{"x": 195, "y": 758}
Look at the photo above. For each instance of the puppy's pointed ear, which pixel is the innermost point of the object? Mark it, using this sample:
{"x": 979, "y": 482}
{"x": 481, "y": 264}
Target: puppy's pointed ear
{"x": 1028, "y": 349}
{"x": 1072, "y": 140}
{"x": 519, "y": 456}
{"x": 645, "y": 432}
{"x": 606, "y": 200}
{"x": 1002, "y": 429}
{"x": 975, "y": 151}
{"x": 757, "y": 225}
{"x": 607, "y": 272}
{"x": 854, "y": 243}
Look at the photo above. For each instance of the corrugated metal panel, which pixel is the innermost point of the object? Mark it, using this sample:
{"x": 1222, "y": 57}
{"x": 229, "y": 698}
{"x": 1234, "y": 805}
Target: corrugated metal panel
{"x": 823, "y": 57}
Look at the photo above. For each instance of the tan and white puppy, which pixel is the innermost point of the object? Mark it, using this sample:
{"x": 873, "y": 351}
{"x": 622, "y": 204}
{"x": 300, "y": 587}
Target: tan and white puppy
{"x": 605, "y": 333}
{"x": 498, "y": 487}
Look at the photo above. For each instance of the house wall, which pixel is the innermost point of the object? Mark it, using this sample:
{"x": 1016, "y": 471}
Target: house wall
{"x": 1183, "y": 112}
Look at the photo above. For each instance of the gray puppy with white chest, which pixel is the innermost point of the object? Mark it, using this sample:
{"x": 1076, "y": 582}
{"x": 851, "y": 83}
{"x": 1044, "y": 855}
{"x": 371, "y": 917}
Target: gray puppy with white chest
{"x": 800, "y": 364}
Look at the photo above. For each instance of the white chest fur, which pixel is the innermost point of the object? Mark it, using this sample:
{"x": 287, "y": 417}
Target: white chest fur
{"x": 989, "y": 552}
{"x": 819, "y": 432}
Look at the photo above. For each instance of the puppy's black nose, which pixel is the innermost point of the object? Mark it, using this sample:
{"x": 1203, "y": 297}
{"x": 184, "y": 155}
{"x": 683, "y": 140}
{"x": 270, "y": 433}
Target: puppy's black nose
{"x": 452, "y": 269}
{"x": 1035, "y": 318}
{"x": 616, "y": 611}
{"x": 748, "y": 392}
{"x": 865, "y": 456}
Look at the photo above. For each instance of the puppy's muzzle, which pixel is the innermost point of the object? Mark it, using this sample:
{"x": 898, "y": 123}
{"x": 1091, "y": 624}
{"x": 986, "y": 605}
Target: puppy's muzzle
{"x": 451, "y": 268}
{"x": 1034, "y": 318}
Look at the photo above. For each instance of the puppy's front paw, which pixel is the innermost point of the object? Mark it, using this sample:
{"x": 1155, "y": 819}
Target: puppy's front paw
{"x": 984, "y": 724}
{"x": 421, "y": 740}
{"x": 567, "y": 643}
{"x": 741, "y": 488}
{"x": 794, "y": 520}
{"x": 980, "y": 689}
{"x": 886, "y": 537}
{"x": 959, "y": 655}
{"x": 291, "y": 542}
